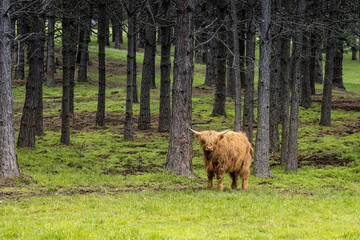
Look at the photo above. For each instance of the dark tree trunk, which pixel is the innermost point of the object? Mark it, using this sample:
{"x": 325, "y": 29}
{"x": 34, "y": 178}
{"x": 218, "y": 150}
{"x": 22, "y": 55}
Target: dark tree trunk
{"x": 261, "y": 162}
{"x": 84, "y": 45}
{"x": 325, "y": 119}
{"x": 231, "y": 66}
{"x": 141, "y": 38}
{"x": 179, "y": 157}
{"x": 69, "y": 55}
{"x": 306, "y": 100}
{"x": 353, "y": 53}
{"x": 292, "y": 163}
{"x": 8, "y": 160}
{"x": 314, "y": 48}
{"x": 72, "y": 63}
{"x": 20, "y": 65}
{"x": 31, "y": 120}
{"x": 235, "y": 37}
{"x": 165, "y": 67}
{"x": 100, "y": 114}
{"x": 285, "y": 80}
{"x": 131, "y": 57}
{"x": 148, "y": 73}
{"x": 275, "y": 81}
{"x": 107, "y": 35}
{"x": 338, "y": 61}
{"x": 220, "y": 93}
{"x": 50, "y": 60}
{"x": 248, "y": 115}
{"x": 319, "y": 76}
{"x": 210, "y": 76}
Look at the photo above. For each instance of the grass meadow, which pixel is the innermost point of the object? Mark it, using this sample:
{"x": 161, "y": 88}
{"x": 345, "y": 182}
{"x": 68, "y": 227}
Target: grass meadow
{"x": 102, "y": 187}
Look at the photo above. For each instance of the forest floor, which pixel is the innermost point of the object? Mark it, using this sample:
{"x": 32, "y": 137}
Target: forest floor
{"x": 102, "y": 187}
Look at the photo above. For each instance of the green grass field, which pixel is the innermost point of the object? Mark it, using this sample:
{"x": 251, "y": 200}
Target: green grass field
{"x": 102, "y": 187}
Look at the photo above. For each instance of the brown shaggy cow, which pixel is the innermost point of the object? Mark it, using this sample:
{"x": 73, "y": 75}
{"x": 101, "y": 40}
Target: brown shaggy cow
{"x": 226, "y": 152}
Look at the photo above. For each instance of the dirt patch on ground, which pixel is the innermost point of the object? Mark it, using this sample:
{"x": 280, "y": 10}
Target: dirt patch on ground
{"x": 346, "y": 104}
{"x": 321, "y": 161}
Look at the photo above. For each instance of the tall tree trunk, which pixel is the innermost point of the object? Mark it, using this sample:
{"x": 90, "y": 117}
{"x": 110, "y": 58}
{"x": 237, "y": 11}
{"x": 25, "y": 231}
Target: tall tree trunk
{"x": 148, "y": 73}
{"x": 50, "y": 60}
{"x": 220, "y": 93}
{"x": 179, "y": 157}
{"x": 319, "y": 76}
{"x": 8, "y": 160}
{"x": 210, "y": 75}
{"x": 84, "y": 45}
{"x": 131, "y": 57}
{"x": 325, "y": 119}
{"x": 338, "y": 62}
{"x": 275, "y": 82}
{"x": 248, "y": 115}
{"x": 68, "y": 54}
{"x": 306, "y": 100}
{"x": 353, "y": 53}
{"x": 72, "y": 60}
{"x": 31, "y": 120}
{"x": 20, "y": 64}
{"x": 235, "y": 37}
{"x": 165, "y": 67}
{"x": 100, "y": 114}
{"x": 261, "y": 163}
{"x": 285, "y": 80}
{"x": 292, "y": 163}
{"x": 231, "y": 67}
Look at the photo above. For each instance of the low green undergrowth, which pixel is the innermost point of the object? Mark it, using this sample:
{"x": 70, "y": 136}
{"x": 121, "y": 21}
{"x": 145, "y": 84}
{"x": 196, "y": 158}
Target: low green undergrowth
{"x": 102, "y": 187}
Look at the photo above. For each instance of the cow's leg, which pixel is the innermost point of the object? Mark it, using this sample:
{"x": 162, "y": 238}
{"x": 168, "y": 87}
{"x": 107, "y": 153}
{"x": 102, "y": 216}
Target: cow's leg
{"x": 245, "y": 173}
{"x": 220, "y": 177}
{"x": 210, "y": 178}
{"x": 234, "y": 176}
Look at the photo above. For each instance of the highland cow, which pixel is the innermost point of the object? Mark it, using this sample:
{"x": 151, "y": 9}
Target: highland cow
{"x": 226, "y": 152}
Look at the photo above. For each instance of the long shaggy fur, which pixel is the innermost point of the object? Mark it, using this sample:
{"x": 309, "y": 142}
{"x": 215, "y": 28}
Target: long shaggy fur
{"x": 226, "y": 153}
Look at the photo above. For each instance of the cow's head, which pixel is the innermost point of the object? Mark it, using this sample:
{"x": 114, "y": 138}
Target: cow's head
{"x": 209, "y": 139}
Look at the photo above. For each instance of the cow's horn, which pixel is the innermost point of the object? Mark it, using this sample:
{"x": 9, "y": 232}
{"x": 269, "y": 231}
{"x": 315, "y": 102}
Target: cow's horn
{"x": 224, "y": 132}
{"x": 194, "y": 131}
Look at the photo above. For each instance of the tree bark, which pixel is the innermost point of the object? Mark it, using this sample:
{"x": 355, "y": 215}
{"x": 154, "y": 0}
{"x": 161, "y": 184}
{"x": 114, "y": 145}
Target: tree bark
{"x": 338, "y": 62}
{"x": 31, "y": 120}
{"x": 50, "y": 60}
{"x": 8, "y": 160}
{"x": 220, "y": 93}
{"x": 306, "y": 100}
{"x": 179, "y": 157}
{"x": 131, "y": 57}
{"x": 325, "y": 119}
{"x": 292, "y": 163}
{"x": 148, "y": 73}
{"x": 248, "y": 115}
{"x": 261, "y": 167}
{"x": 353, "y": 53}
{"x": 275, "y": 82}
{"x": 68, "y": 54}
{"x": 165, "y": 67}
{"x": 100, "y": 114}
{"x": 20, "y": 64}
{"x": 235, "y": 37}
{"x": 285, "y": 80}
{"x": 84, "y": 45}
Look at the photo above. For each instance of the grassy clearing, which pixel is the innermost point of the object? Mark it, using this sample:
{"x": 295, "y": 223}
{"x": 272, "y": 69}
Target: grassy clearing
{"x": 102, "y": 187}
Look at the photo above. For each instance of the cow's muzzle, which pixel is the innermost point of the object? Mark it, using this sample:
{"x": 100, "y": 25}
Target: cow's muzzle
{"x": 209, "y": 149}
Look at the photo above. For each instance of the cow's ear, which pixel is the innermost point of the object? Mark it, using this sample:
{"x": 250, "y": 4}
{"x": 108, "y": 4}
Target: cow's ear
{"x": 221, "y": 136}
{"x": 197, "y": 135}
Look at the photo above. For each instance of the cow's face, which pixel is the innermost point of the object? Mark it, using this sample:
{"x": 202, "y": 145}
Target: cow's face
{"x": 208, "y": 140}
